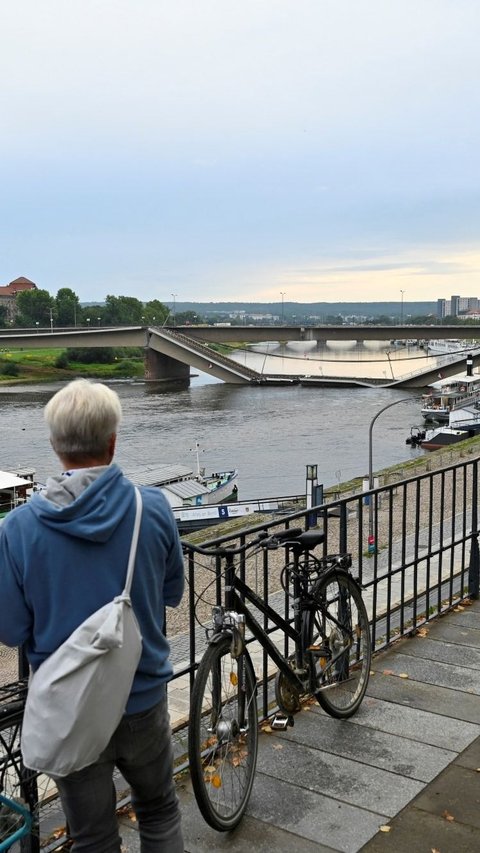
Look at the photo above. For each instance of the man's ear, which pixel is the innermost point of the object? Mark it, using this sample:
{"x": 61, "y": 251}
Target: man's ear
{"x": 111, "y": 445}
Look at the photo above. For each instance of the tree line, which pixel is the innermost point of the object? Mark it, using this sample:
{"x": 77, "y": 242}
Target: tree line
{"x": 38, "y": 308}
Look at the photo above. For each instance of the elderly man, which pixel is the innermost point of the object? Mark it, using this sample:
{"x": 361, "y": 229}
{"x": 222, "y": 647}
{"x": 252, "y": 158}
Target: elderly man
{"x": 62, "y": 556}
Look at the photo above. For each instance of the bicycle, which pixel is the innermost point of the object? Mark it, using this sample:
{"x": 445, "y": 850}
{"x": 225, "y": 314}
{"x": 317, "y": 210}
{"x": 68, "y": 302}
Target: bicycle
{"x": 331, "y": 661}
{"x": 15, "y": 822}
{"x": 24, "y": 792}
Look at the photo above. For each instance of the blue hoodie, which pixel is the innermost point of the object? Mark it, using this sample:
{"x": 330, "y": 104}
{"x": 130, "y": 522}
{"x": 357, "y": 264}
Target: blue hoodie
{"x": 64, "y": 554}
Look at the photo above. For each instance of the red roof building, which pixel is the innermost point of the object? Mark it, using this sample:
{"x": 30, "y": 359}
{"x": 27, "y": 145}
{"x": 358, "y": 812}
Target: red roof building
{"x": 8, "y": 293}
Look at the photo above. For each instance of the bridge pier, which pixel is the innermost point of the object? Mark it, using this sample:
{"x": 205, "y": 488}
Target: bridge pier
{"x": 163, "y": 367}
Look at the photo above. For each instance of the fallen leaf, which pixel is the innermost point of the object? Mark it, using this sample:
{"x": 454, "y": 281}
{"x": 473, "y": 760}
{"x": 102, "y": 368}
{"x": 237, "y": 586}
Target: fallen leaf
{"x": 278, "y": 746}
{"x": 422, "y": 632}
{"x": 448, "y": 816}
{"x": 403, "y": 675}
{"x": 388, "y": 672}
{"x": 434, "y": 850}
{"x": 266, "y": 728}
{"x": 372, "y": 672}
{"x": 385, "y": 828}
{"x": 458, "y": 608}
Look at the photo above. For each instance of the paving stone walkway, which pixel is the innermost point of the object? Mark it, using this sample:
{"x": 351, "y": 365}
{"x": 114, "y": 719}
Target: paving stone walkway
{"x": 402, "y": 775}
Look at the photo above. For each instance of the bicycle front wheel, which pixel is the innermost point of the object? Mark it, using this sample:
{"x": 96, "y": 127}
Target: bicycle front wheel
{"x": 223, "y": 734}
{"x": 336, "y": 637}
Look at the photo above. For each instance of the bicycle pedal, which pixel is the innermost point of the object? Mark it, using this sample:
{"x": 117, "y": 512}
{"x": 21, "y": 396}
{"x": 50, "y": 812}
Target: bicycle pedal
{"x": 281, "y": 722}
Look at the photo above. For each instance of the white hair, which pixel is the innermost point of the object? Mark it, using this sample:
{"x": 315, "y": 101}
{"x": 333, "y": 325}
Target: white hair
{"x": 82, "y": 417}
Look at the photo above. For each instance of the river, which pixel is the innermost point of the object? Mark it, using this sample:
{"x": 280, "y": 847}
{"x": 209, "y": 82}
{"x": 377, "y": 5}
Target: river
{"x": 269, "y": 433}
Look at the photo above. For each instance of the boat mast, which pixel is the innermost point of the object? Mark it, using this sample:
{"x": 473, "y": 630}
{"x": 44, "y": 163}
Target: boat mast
{"x": 197, "y": 450}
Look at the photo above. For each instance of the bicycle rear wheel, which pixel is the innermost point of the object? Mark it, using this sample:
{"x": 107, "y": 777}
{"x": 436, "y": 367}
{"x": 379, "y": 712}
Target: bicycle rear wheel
{"x": 223, "y": 734}
{"x": 36, "y": 792}
{"x": 336, "y": 635}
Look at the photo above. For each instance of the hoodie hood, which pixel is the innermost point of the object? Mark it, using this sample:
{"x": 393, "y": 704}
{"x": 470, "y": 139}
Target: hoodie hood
{"x": 89, "y": 504}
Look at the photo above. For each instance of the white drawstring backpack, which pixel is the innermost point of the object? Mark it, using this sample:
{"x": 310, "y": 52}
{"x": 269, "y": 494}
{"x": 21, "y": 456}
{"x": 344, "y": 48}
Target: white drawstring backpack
{"x": 78, "y": 695}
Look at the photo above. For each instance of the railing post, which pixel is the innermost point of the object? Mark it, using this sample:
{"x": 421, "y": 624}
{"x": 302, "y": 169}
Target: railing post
{"x": 474, "y": 566}
{"x": 343, "y": 527}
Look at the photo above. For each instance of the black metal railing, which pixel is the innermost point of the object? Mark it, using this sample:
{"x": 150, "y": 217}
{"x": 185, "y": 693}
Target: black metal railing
{"x": 414, "y": 547}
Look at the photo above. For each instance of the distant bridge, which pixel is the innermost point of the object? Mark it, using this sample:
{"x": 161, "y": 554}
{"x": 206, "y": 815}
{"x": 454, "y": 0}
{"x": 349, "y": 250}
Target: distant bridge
{"x": 171, "y": 352}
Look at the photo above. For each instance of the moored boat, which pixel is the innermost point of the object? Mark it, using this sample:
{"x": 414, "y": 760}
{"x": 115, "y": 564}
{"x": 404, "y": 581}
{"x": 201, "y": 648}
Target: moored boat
{"x": 185, "y": 487}
{"x": 451, "y": 346}
{"x": 463, "y": 423}
{"x": 15, "y": 489}
{"x": 451, "y": 393}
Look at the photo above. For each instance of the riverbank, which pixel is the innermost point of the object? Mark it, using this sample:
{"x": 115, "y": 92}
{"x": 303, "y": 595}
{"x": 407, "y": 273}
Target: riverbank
{"x": 423, "y": 463}
{"x": 25, "y": 367}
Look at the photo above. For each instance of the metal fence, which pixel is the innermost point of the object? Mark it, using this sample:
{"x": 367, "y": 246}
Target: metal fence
{"x": 414, "y": 546}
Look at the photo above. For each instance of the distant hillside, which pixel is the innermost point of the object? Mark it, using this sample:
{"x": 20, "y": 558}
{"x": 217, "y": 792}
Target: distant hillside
{"x": 368, "y": 309}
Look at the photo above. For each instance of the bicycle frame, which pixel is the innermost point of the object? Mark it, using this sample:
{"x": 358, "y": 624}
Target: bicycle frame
{"x": 24, "y": 829}
{"x": 236, "y": 590}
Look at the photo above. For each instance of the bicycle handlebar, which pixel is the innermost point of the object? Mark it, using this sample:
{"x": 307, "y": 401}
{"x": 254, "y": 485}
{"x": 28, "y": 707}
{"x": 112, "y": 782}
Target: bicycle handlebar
{"x": 264, "y": 539}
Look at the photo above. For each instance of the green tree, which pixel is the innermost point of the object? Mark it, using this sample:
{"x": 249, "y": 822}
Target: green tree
{"x": 34, "y": 306}
{"x": 91, "y": 355}
{"x": 3, "y": 316}
{"x": 67, "y": 307}
{"x": 187, "y": 318}
{"x": 123, "y": 310}
{"x": 155, "y": 312}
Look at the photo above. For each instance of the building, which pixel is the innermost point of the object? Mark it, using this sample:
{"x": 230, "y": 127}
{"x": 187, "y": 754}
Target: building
{"x": 8, "y": 295}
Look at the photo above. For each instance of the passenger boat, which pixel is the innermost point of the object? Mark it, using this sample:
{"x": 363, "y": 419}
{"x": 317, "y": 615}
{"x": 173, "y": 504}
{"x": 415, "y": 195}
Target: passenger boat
{"x": 451, "y": 393}
{"x": 451, "y": 346}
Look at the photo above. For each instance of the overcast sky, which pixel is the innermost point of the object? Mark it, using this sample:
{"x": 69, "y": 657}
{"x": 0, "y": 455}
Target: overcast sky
{"x": 221, "y": 150}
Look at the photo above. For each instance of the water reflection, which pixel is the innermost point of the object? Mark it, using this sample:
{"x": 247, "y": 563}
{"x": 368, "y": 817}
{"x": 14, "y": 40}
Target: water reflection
{"x": 373, "y": 360}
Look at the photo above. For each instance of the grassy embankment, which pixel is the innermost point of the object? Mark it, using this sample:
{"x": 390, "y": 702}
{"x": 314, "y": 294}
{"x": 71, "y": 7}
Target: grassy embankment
{"x": 29, "y": 365}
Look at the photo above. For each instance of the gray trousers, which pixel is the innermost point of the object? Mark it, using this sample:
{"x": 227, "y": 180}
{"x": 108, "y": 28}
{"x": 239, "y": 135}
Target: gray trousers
{"x": 141, "y": 748}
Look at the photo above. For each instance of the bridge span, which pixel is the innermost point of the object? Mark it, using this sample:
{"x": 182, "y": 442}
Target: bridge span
{"x": 171, "y": 352}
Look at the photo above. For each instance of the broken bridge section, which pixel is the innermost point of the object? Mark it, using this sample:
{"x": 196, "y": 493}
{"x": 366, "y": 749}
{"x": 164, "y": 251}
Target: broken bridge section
{"x": 170, "y": 354}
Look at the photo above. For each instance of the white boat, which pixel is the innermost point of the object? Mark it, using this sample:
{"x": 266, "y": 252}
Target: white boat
{"x": 448, "y": 394}
{"x": 15, "y": 489}
{"x": 451, "y": 346}
{"x": 185, "y": 487}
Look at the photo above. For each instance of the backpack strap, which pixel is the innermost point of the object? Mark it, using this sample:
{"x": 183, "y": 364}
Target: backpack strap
{"x": 134, "y": 542}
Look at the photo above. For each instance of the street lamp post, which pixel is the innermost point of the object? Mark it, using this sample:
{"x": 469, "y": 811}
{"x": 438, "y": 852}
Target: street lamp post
{"x": 174, "y": 297}
{"x": 371, "y": 535}
{"x": 282, "y": 294}
{"x": 401, "y": 308}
